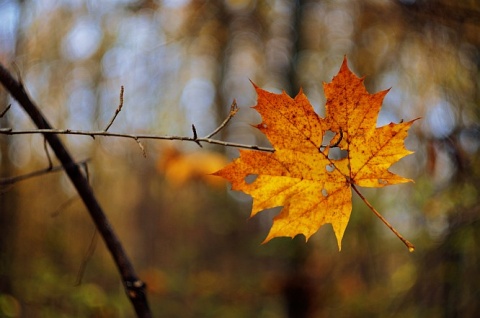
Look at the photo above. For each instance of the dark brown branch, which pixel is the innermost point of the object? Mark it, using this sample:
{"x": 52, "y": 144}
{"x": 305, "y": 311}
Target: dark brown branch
{"x": 5, "y": 110}
{"x": 134, "y": 287}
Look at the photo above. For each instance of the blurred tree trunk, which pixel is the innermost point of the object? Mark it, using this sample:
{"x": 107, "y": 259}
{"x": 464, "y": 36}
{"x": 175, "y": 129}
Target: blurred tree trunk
{"x": 298, "y": 290}
{"x": 8, "y": 194}
{"x": 8, "y": 219}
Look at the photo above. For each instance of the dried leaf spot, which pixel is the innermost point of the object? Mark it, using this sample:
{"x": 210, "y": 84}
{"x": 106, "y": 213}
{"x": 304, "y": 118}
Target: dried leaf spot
{"x": 324, "y": 192}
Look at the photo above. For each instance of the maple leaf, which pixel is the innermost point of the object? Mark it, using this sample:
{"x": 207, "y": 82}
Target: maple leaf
{"x": 312, "y": 183}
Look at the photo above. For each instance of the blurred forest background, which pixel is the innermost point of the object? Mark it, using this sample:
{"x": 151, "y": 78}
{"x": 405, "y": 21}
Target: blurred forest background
{"x": 189, "y": 237}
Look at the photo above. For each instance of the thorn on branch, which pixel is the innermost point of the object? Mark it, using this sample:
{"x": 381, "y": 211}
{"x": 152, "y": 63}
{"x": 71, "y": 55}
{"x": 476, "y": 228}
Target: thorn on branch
{"x": 195, "y": 136}
{"x": 5, "y": 110}
{"x": 119, "y": 108}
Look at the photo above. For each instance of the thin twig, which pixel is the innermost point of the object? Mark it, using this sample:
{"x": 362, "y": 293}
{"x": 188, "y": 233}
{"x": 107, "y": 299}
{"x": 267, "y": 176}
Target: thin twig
{"x": 119, "y": 108}
{"x": 5, "y": 189}
{"x": 63, "y": 206}
{"x": 19, "y": 74}
{"x": 45, "y": 147}
{"x": 87, "y": 173}
{"x": 10, "y": 131}
{"x": 12, "y": 180}
{"x": 86, "y": 258}
{"x": 5, "y": 110}
{"x": 409, "y": 245}
{"x": 141, "y": 147}
{"x": 233, "y": 111}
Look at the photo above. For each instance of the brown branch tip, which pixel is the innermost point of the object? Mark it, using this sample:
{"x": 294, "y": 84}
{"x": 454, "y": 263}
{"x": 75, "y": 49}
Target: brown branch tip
{"x": 118, "y": 110}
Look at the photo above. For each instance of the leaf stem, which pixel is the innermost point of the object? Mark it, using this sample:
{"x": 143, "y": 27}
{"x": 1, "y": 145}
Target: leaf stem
{"x": 407, "y": 243}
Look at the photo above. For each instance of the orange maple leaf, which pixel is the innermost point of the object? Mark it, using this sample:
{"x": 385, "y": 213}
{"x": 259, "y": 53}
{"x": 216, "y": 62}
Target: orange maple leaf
{"x": 313, "y": 181}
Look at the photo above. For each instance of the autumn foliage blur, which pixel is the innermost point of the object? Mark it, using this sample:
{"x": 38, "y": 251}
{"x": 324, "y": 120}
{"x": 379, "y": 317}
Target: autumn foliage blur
{"x": 182, "y": 63}
{"x": 181, "y": 168}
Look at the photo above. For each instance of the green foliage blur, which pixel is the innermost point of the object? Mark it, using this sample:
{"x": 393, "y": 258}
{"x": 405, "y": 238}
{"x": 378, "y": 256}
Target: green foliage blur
{"x": 182, "y": 62}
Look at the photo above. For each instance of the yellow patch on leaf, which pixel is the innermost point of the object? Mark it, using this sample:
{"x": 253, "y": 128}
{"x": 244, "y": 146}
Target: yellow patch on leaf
{"x": 313, "y": 184}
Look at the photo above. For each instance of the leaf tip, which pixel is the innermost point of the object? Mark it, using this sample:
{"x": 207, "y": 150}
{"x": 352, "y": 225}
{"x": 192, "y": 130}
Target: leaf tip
{"x": 344, "y": 63}
{"x": 254, "y": 85}
{"x": 267, "y": 239}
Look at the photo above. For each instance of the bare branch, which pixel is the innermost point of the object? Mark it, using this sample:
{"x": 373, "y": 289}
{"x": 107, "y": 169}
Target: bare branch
{"x": 134, "y": 287}
{"x": 141, "y": 147}
{"x": 64, "y": 205}
{"x": 233, "y": 111}
{"x": 105, "y": 133}
{"x": 119, "y": 108}
{"x": 87, "y": 257}
{"x": 10, "y": 131}
{"x": 49, "y": 169}
{"x": 195, "y": 136}
{"x": 5, "y": 110}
